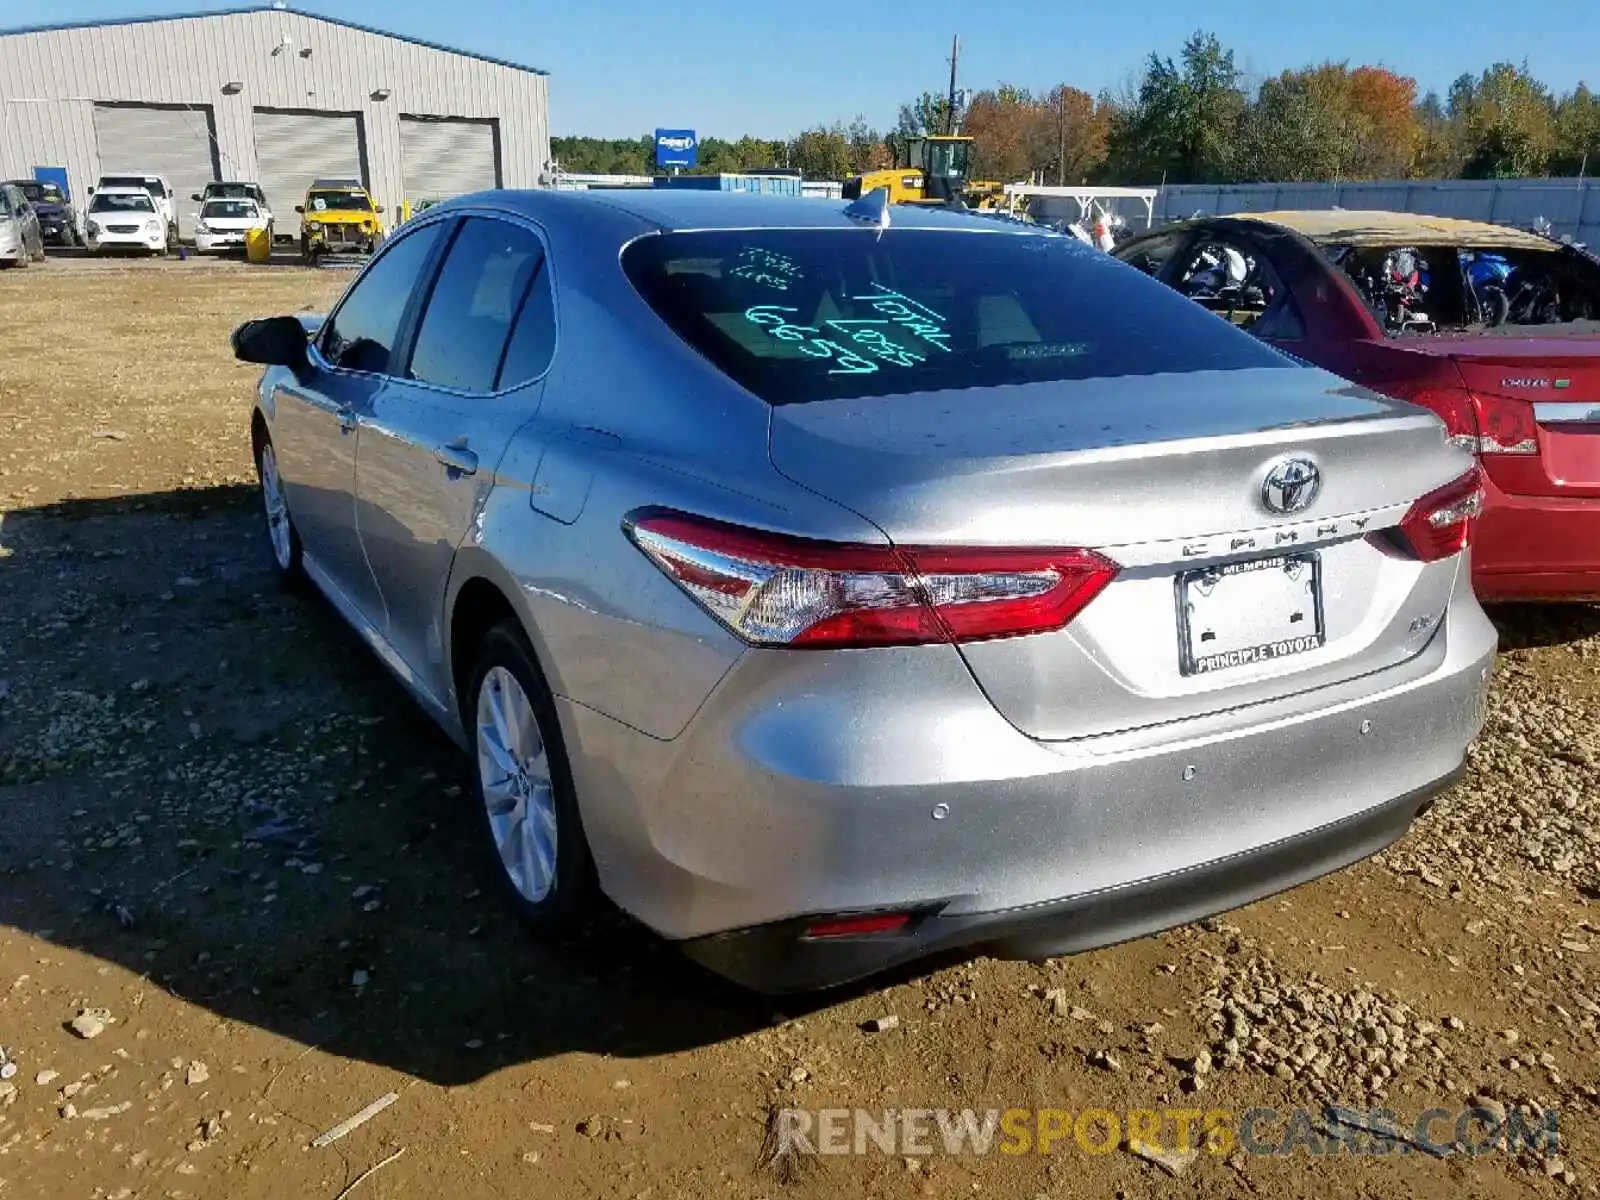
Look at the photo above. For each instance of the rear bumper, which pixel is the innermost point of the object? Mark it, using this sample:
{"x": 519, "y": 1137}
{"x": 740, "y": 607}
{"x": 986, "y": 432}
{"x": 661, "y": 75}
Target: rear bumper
{"x": 1537, "y": 548}
{"x": 831, "y": 783}
{"x": 779, "y": 958}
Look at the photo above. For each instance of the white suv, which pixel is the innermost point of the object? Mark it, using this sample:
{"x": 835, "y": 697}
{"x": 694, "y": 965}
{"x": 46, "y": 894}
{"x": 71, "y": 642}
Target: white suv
{"x": 160, "y": 191}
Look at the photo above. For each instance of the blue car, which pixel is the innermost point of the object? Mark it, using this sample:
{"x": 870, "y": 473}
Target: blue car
{"x": 57, "y": 220}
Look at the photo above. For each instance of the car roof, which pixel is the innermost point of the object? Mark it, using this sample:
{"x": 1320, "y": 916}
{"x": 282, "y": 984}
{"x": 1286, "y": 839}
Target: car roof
{"x": 122, "y": 191}
{"x": 337, "y": 185}
{"x": 1355, "y": 227}
{"x": 675, "y": 210}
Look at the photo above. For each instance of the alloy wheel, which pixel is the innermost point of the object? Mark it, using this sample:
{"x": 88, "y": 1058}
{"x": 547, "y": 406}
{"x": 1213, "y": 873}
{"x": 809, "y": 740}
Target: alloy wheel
{"x": 518, "y": 792}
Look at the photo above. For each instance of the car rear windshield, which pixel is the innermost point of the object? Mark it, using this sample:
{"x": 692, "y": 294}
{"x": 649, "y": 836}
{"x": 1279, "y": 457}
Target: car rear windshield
{"x": 799, "y": 315}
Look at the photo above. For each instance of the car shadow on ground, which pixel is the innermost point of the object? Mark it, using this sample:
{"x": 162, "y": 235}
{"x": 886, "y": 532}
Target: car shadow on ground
{"x": 1532, "y": 626}
{"x": 212, "y": 783}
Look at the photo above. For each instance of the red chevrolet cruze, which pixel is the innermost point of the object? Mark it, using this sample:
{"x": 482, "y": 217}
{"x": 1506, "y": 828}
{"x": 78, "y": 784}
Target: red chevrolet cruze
{"x": 1494, "y": 329}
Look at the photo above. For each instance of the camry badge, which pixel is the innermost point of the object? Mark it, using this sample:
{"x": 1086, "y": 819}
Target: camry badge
{"x": 1291, "y": 486}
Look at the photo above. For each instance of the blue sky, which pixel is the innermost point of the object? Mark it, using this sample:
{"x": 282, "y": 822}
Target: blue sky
{"x": 726, "y": 67}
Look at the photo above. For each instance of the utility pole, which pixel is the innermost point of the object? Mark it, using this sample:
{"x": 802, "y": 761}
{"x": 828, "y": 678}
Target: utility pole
{"x": 950, "y": 112}
{"x": 1061, "y": 136}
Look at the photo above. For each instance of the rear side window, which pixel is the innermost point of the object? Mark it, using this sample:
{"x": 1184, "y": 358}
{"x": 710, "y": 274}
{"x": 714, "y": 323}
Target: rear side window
{"x": 800, "y": 315}
{"x": 482, "y": 290}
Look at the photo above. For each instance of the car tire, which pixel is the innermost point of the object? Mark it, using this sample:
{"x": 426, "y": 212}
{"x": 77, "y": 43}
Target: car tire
{"x": 528, "y": 805}
{"x": 283, "y": 539}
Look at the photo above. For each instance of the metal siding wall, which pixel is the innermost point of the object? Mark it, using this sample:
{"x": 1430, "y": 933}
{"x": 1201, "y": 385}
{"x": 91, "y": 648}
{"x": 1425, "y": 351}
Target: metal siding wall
{"x": 444, "y": 158}
{"x": 292, "y": 149}
{"x": 174, "y": 142}
{"x": 187, "y": 60}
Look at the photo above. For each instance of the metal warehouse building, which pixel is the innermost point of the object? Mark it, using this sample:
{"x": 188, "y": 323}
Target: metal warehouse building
{"x": 267, "y": 94}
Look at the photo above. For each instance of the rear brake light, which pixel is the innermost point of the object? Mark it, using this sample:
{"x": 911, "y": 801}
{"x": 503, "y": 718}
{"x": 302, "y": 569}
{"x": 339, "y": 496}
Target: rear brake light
{"x": 1480, "y": 424}
{"x": 1440, "y": 524}
{"x": 775, "y": 590}
{"x": 1505, "y": 426}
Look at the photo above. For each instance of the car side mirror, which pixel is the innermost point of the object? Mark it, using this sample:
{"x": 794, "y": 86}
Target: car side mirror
{"x": 91, "y": 191}
{"x": 377, "y": 208}
{"x": 273, "y": 342}
{"x": 195, "y": 196}
{"x": 299, "y": 208}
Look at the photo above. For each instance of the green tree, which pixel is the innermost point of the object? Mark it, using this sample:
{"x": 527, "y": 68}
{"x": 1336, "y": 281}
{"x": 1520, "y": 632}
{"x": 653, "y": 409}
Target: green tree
{"x": 822, "y": 153}
{"x": 1183, "y": 118}
{"x": 1508, "y": 120}
{"x": 1441, "y": 141}
{"x": 1577, "y": 133}
{"x": 1329, "y": 122}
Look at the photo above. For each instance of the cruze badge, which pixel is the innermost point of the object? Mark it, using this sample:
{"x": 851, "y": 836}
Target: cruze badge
{"x": 1291, "y": 486}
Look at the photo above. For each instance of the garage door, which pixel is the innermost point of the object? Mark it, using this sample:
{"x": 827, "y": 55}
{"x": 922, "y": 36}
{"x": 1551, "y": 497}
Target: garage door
{"x": 293, "y": 148}
{"x": 444, "y": 157}
{"x": 179, "y": 143}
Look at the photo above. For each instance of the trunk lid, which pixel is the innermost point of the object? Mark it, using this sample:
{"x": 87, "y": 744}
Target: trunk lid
{"x": 1164, "y": 475}
{"x": 1548, "y": 386}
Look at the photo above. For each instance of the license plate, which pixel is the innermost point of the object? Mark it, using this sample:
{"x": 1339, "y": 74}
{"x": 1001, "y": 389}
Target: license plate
{"x": 1249, "y": 612}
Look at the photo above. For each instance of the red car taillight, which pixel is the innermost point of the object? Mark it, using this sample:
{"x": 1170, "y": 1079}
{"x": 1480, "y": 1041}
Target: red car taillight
{"x": 1480, "y": 424}
{"x": 776, "y": 590}
{"x": 1440, "y": 524}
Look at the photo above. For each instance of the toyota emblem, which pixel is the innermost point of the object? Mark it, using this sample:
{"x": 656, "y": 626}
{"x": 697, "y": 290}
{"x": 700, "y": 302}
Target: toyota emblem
{"x": 1291, "y": 486}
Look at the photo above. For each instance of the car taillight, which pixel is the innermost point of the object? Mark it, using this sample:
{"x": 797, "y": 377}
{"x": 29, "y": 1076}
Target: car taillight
{"x": 1505, "y": 426}
{"x": 1480, "y": 424}
{"x": 1440, "y": 524}
{"x": 775, "y": 590}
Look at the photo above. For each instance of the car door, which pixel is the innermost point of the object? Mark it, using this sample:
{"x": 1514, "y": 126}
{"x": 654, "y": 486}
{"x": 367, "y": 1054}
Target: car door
{"x": 472, "y": 375}
{"x": 315, "y": 425}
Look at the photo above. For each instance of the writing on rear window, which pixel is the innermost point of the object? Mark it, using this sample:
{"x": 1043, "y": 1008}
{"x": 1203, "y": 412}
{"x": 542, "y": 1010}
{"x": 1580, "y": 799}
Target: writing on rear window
{"x": 864, "y": 333}
{"x": 809, "y": 340}
{"x": 903, "y": 310}
{"x": 871, "y": 335}
{"x": 765, "y": 267}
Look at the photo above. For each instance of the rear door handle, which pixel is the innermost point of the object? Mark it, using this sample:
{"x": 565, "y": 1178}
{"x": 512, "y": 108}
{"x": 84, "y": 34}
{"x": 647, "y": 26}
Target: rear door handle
{"x": 458, "y": 460}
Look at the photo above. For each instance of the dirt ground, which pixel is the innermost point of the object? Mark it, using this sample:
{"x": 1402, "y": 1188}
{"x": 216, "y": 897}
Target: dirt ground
{"x": 223, "y": 824}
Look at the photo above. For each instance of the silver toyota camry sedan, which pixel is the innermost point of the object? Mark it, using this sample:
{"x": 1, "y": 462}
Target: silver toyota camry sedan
{"x": 832, "y": 584}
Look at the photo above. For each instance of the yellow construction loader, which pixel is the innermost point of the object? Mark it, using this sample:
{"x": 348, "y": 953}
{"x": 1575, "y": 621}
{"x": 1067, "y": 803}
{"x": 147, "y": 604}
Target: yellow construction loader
{"x": 929, "y": 170}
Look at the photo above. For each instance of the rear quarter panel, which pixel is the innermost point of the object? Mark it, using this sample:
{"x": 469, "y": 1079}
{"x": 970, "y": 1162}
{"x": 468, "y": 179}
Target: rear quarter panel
{"x": 631, "y": 418}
